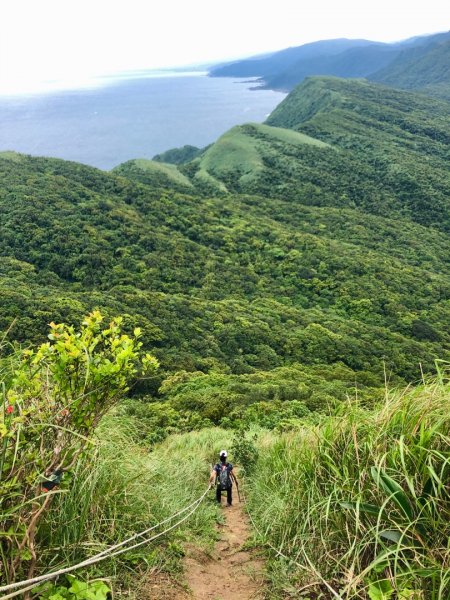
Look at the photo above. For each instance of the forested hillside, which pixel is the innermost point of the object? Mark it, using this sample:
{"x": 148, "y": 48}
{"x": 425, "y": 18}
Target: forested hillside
{"x": 321, "y": 241}
{"x": 282, "y": 279}
{"x": 426, "y": 70}
{"x": 337, "y": 143}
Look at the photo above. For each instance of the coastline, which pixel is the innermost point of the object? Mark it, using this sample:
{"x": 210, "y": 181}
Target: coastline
{"x": 264, "y": 86}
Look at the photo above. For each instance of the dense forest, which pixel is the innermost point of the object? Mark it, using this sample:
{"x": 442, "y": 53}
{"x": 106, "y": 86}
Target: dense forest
{"x": 282, "y": 279}
{"x": 317, "y": 239}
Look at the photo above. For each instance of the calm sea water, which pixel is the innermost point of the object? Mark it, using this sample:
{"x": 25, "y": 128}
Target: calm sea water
{"x": 131, "y": 118}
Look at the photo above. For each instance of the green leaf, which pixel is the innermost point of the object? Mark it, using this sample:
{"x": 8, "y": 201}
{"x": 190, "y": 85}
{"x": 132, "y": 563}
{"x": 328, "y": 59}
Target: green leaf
{"x": 407, "y": 594}
{"x": 380, "y": 590}
{"x": 367, "y": 508}
{"x": 392, "y": 535}
{"x": 394, "y": 490}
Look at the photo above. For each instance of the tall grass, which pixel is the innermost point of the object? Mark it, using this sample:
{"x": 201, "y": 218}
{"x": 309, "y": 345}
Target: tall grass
{"x": 358, "y": 507}
{"x": 124, "y": 489}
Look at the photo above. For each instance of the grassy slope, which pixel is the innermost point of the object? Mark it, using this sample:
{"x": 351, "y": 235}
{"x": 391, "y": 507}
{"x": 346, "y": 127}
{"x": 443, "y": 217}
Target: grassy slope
{"x": 392, "y": 152}
{"x": 392, "y": 159}
{"x": 239, "y": 152}
{"x": 125, "y": 489}
{"x": 359, "y": 503}
{"x": 157, "y": 174}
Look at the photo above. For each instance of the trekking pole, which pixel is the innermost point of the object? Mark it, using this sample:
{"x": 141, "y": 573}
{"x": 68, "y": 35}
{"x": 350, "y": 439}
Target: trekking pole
{"x": 237, "y": 487}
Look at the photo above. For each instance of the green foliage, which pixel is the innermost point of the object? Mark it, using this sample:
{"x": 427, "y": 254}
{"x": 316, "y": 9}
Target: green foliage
{"x": 319, "y": 268}
{"x": 245, "y": 451}
{"x": 377, "y": 168}
{"x": 424, "y": 69}
{"x": 52, "y": 400}
{"x": 360, "y": 501}
{"x": 282, "y": 275}
{"x": 280, "y": 398}
{"x": 156, "y": 174}
{"x": 76, "y": 590}
{"x": 178, "y": 156}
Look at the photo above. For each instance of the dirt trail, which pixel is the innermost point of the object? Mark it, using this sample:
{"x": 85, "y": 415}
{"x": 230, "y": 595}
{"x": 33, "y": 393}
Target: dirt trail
{"x": 230, "y": 573}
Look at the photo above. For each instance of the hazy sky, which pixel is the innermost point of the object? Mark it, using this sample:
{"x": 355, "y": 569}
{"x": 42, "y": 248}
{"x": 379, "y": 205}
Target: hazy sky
{"x": 72, "y": 40}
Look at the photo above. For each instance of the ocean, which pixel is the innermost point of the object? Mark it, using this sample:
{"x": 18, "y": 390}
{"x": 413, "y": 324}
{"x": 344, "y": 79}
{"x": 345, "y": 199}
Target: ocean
{"x": 130, "y": 117}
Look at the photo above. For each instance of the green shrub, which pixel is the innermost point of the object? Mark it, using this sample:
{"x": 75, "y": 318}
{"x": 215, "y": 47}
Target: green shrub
{"x": 52, "y": 400}
{"x": 244, "y": 450}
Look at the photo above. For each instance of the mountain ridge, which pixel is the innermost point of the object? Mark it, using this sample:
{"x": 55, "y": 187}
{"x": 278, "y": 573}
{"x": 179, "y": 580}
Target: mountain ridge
{"x": 366, "y": 147}
{"x": 342, "y": 58}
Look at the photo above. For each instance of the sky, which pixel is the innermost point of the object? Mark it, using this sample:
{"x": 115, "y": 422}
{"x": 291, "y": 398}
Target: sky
{"x": 67, "y": 42}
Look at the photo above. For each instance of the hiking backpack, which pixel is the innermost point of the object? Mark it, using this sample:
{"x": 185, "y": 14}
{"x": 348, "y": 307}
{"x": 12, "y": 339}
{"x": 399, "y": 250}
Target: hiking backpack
{"x": 223, "y": 476}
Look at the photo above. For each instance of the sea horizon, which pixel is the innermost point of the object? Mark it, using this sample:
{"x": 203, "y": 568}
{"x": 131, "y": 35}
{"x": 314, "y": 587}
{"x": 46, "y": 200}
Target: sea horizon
{"x": 52, "y": 86}
{"x": 133, "y": 114}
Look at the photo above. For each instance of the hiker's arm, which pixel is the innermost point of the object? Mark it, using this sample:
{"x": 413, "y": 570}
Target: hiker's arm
{"x": 212, "y": 477}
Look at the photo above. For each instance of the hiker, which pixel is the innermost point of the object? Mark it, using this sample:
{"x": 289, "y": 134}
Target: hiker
{"x": 223, "y": 476}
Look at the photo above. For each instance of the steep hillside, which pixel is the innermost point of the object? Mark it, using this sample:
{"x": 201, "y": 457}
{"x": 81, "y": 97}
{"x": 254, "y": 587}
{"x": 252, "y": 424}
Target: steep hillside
{"x": 319, "y": 239}
{"x": 231, "y": 284}
{"x": 425, "y": 69}
{"x": 357, "y": 507}
{"x": 283, "y": 278}
{"x": 393, "y": 145}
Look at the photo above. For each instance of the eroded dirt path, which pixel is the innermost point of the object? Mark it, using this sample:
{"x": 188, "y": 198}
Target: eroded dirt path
{"x": 230, "y": 573}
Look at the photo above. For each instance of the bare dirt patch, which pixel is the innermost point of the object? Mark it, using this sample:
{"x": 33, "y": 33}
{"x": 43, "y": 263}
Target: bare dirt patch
{"x": 230, "y": 572}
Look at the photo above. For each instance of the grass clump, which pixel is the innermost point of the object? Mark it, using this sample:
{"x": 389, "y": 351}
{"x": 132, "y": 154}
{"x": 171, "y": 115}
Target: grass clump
{"x": 358, "y": 507}
{"x": 122, "y": 489}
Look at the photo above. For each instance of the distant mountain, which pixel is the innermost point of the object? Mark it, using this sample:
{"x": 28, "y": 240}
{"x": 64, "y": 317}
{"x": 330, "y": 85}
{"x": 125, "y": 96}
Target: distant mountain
{"x": 278, "y": 62}
{"x": 340, "y": 58}
{"x": 425, "y": 68}
{"x": 355, "y": 62}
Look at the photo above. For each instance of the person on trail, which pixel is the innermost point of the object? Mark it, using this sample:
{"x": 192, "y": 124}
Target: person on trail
{"x": 223, "y": 475}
